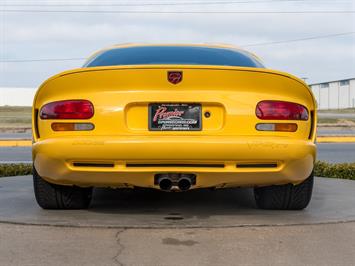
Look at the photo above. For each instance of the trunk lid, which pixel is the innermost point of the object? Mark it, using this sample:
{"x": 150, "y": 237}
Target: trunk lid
{"x": 121, "y": 97}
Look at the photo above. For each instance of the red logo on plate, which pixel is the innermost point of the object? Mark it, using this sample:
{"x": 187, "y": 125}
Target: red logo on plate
{"x": 161, "y": 113}
{"x": 174, "y": 77}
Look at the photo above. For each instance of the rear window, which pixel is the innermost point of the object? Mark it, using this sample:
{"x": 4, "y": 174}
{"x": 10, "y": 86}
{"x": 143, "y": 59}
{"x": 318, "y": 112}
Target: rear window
{"x": 174, "y": 55}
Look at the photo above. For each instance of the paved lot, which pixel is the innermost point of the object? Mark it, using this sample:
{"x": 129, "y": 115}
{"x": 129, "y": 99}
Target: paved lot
{"x": 331, "y": 244}
{"x": 331, "y": 152}
{"x": 197, "y": 228}
{"x": 333, "y": 201}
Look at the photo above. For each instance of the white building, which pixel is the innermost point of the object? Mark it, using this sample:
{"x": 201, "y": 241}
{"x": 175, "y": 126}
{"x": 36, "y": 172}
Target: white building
{"x": 17, "y": 96}
{"x": 336, "y": 94}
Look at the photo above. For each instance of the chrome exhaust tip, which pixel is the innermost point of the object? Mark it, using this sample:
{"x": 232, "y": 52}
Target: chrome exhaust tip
{"x": 174, "y": 181}
{"x": 165, "y": 184}
{"x": 184, "y": 184}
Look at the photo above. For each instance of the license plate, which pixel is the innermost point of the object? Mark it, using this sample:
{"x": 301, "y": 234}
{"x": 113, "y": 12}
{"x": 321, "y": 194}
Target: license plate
{"x": 174, "y": 116}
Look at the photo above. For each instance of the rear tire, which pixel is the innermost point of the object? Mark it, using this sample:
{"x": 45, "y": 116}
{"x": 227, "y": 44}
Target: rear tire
{"x": 51, "y": 196}
{"x": 285, "y": 197}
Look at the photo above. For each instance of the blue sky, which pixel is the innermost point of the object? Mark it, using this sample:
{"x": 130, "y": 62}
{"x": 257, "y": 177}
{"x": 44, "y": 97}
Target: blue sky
{"x": 75, "y": 35}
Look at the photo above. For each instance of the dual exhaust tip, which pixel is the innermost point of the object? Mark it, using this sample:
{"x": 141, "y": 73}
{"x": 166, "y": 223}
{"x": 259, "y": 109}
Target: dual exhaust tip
{"x": 184, "y": 182}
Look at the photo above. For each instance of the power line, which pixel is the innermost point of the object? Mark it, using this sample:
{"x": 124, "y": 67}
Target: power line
{"x": 152, "y": 4}
{"x": 246, "y": 45}
{"x": 177, "y": 12}
{"x": 41, "y": 60}
{"x": 300, "y": 39}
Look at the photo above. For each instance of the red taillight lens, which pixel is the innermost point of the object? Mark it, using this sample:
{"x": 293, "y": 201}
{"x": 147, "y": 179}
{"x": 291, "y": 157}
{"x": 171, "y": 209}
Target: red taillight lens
{"x": 72, "y": 109}
{"x": 279, "y": 110}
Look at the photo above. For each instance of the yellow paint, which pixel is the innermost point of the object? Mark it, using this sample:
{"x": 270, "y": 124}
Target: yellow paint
{"x": 15, "y": 143}
{"x": 121, "y": 94}
{"x": 335, "y": 139}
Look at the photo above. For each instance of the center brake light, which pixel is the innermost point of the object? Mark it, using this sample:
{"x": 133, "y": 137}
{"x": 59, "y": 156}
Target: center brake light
{"x": 280, "y": 110}
{"x": 68, "y": 109}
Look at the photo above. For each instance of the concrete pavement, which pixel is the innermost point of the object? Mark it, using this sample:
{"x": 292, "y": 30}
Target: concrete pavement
{"x": 198, "y": 228}
{"x": 333, "y": 201}
{"x": 327, "y": 244}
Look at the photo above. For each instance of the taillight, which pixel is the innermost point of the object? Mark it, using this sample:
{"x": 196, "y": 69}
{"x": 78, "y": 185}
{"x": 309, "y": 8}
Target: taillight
{"x": 72, "y": 126}
{"x": 279, "y": 110}
{"x": 285, "y": 127}
{"x": 71, "y": 109}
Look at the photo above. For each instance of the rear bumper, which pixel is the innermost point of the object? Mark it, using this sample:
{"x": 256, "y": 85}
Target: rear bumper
{"x": 217, "y": 161}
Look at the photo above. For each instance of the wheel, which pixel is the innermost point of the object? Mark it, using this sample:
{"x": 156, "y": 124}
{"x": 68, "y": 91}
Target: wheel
{"x": 285, "y": 197}
{"x": 51, "y": 196}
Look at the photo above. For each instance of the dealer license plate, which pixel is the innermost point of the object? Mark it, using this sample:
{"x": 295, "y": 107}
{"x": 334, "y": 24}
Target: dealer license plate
{"x": 174, "y": 116}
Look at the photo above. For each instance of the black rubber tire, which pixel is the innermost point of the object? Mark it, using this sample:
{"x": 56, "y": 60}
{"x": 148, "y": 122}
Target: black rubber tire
{"x": 285, "y": 197}
{"x": 51, "y": 196}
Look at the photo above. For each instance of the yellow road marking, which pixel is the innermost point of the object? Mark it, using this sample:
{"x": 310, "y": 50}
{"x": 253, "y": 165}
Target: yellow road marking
{"x": 15, "y": 143}
{"x": 335, "y": 139}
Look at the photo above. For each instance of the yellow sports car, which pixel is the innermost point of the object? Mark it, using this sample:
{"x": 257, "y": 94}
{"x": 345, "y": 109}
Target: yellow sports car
{"x": 174, "y": 118}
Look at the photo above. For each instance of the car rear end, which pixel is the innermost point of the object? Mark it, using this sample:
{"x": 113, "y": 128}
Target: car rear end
{"x": 131, "y": 126}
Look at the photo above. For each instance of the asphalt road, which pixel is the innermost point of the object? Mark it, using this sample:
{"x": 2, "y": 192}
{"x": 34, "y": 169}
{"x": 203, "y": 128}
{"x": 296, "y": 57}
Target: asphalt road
{"x": 15, "y": 154}
{"x": 27, "y": 135}
{"x": 336, "y": 152}
{"x": 330, "y": 152}
{"x": 341, "y": 131}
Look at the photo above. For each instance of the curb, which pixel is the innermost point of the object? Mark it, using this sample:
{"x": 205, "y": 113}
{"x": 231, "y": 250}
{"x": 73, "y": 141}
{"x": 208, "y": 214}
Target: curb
{"x": 322, "y": 139}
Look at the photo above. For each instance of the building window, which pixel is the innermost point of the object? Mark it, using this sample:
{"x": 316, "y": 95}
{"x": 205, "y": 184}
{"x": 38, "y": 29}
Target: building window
{"x": 344, "y": 82}
{"x": 324, "y": 85}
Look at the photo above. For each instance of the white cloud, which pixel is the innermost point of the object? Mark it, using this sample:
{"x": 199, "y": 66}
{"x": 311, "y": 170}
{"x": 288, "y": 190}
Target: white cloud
{"x": 42, "y": 35}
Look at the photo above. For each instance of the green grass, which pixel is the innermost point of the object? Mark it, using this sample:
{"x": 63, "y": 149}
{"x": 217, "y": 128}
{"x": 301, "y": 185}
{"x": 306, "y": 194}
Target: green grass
{"x": 15, "y": 109}
{"x": 323, "y": 169}
{"x": 338, "y": 111}
{"x": 339, "y": 170}
{"x": 15, "y": 116}
{"x": 327, "y": 120}
{"x": 15, "y": 169}
{"x": 330, "y": 120}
